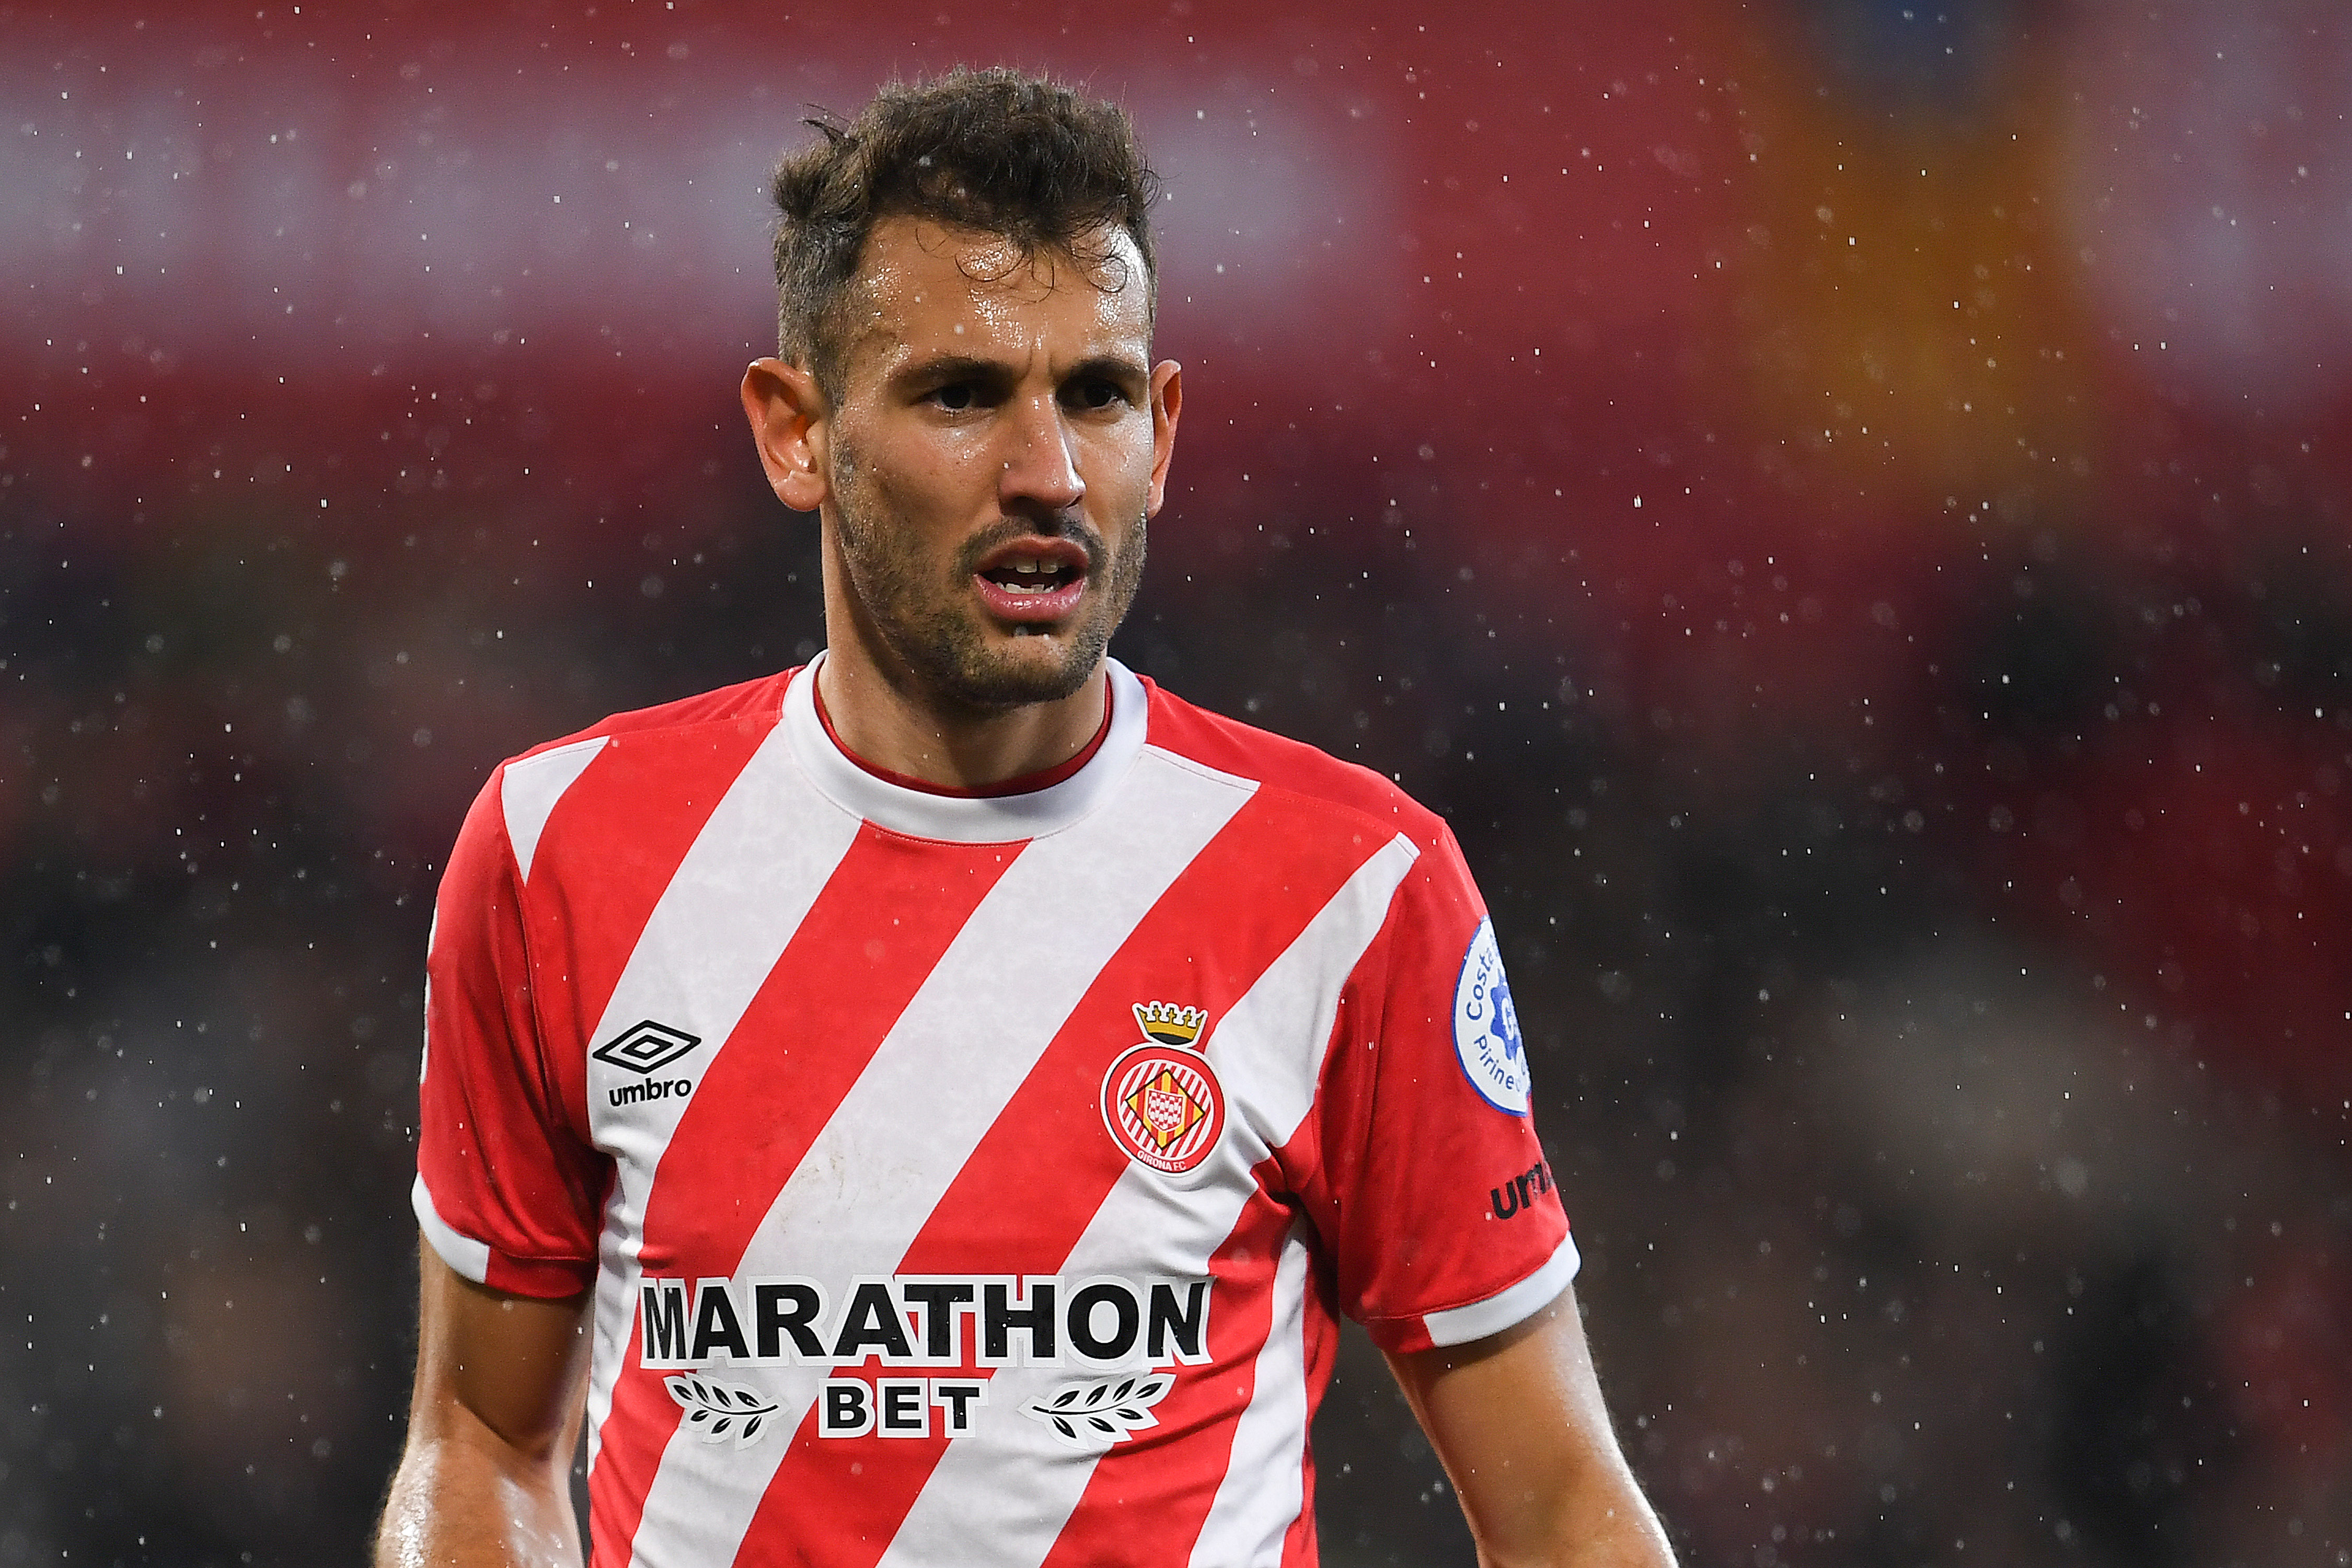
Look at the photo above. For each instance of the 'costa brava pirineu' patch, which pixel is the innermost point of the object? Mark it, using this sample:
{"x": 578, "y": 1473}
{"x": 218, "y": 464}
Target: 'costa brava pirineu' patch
{"x": 1487, "y": 1027}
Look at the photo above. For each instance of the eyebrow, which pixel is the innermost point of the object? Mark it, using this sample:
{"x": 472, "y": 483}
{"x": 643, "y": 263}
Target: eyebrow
{"x": 942, "y": 369}
{"x": 948, "y": 367}
{"x": 1113, "y": 367}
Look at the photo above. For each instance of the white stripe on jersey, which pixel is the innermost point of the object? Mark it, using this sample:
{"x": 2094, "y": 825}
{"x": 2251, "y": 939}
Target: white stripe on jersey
{"x": 1017, "y": 1490}
{"x": 720, "y": 925}
{"x": 1298, "y": 998}
{"x": 1460, "y": 1325}
{"x": 1264, "y": 1483}
{"x": 933, "y": 1088}
{"x": 529, "y": 790}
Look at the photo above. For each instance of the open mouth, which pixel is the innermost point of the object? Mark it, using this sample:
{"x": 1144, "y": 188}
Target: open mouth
{"x": 1031, "y": 581}
{"x": 1029, "y": 574}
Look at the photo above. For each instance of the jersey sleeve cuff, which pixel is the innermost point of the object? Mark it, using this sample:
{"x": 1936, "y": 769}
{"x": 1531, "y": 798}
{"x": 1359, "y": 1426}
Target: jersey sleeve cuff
{"x": 1505, "y": 1309}
{"x": 479, "y": 1262}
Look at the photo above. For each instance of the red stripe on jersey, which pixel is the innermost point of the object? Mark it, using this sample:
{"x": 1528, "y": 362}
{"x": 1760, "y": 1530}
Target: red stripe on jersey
{"x": 1021, "y": 1203}
{"x": 1281, "y": 764}
{"x": 1169, "y": 1473}
{"x": 602, "y": 843}
{"x": 871, "y": 939}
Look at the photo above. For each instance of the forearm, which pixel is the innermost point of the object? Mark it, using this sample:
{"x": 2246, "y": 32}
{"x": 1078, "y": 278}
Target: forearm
{"x": 1527, "y": 1511}
{"x": 461, "y": 1501}
{"x": 1598, "y": 1519}
{"x": 501, "y": 1384}
{"x": 1518, "y": 1423}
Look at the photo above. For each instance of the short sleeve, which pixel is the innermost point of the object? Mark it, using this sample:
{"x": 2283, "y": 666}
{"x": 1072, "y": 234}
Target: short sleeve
{"x": 508, "y": 1190}
{"x": 1443, "y": 1221}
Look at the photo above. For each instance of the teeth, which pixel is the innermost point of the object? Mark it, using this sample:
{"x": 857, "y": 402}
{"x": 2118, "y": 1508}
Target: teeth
{"x": 1028, "y": 574}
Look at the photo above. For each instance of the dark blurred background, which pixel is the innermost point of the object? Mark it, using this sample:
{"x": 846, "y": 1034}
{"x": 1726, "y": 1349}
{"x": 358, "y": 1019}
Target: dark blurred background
{"x": 1844, "y": 504}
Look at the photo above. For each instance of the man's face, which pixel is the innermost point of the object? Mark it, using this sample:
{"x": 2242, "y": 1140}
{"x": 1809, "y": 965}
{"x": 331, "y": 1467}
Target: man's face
{"x": 1000, "y": 440}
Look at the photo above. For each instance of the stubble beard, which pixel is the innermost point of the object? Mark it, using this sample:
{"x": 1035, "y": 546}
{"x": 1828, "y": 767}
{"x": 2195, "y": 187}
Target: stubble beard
{"x": 932, "y": 625}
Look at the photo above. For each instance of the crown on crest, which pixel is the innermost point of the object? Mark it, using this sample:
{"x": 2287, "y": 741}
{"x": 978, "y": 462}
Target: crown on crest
{"x": 1170, "y": 1024}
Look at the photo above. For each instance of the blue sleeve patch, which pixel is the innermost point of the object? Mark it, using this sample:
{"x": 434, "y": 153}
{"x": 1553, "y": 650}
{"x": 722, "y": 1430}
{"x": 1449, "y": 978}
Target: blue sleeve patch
{"x": 1487, "y": 1027}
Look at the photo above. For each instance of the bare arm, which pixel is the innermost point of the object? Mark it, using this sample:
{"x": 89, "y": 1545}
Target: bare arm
{"x": 501, "y": 1383}
{"x": 1518, "y": 1423}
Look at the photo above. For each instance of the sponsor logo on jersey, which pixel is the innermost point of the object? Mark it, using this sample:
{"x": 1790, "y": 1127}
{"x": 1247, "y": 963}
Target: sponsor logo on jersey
{"x": 652, "y": 1089}
{"x": 1487, "y": 1027}
{"x": 924, "y": 1319}
{"x": 898, "y": 1407}
{"x": 717, "y": 1412}
{"x": 1518, "y": 1194}
{"x": 646, "y": 1047}
{"x": 1118, "y": 1332}
{"x": 1094, "y": 1416}
{"x": 1160, "y": 1099}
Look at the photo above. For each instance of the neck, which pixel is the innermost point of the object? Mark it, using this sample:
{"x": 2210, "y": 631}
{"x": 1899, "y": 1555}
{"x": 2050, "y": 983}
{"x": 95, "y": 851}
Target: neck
{"x": 891, "y": 726}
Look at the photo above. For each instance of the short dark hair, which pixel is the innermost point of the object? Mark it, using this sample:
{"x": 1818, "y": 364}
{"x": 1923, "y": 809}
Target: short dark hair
{"x": 995, "y": 151}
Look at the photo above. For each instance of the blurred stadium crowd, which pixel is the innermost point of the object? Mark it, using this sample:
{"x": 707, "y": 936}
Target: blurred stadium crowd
{"x": 1844, "y": 504}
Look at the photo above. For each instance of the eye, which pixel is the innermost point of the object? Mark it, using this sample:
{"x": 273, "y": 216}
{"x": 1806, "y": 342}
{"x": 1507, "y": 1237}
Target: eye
{"x": 956, "y": 396}
{"x": 1096, "y": 394}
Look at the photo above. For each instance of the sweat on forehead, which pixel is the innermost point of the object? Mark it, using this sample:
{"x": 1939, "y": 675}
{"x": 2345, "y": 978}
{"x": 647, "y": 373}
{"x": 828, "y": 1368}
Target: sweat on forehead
{"x": 915, "y": 270}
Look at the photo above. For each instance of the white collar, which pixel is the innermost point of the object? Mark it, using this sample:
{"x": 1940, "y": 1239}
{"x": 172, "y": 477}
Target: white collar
{"x": 965, "y": 819}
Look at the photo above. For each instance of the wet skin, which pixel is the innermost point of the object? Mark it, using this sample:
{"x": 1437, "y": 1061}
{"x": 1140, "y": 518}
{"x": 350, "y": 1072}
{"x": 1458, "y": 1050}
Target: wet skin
{"x": 983, "y": 480}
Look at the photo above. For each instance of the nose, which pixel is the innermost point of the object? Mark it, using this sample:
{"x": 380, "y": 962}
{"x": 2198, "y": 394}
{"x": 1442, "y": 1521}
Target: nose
{"x": 1041, "y": 468}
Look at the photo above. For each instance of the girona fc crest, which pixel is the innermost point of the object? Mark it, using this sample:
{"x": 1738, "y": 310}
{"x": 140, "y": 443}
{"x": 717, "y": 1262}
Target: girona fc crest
{"x": 1161, "y": 1102}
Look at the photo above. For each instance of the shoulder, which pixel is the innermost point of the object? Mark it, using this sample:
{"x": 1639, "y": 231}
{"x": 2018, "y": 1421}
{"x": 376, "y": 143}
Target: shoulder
{"x": 656, "y": 762}
{"x": 1314, "y": 779}
{"x": 757, "y": 702}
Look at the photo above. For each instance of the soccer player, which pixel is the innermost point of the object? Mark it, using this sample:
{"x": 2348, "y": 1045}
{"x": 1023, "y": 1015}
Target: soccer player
{"x": 928, "y": 1107}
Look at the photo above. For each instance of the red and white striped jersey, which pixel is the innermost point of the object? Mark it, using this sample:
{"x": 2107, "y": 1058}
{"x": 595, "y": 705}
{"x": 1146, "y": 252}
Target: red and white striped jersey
{"x": 971, "y": 1180}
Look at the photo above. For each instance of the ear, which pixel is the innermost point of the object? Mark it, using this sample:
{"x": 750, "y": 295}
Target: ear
{"x": 789, "y": 427}
{"x": 1167, "y": 402}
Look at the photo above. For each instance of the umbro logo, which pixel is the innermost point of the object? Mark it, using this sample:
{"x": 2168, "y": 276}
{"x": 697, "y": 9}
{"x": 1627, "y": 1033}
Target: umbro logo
{"x": 647, "y": 1048}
